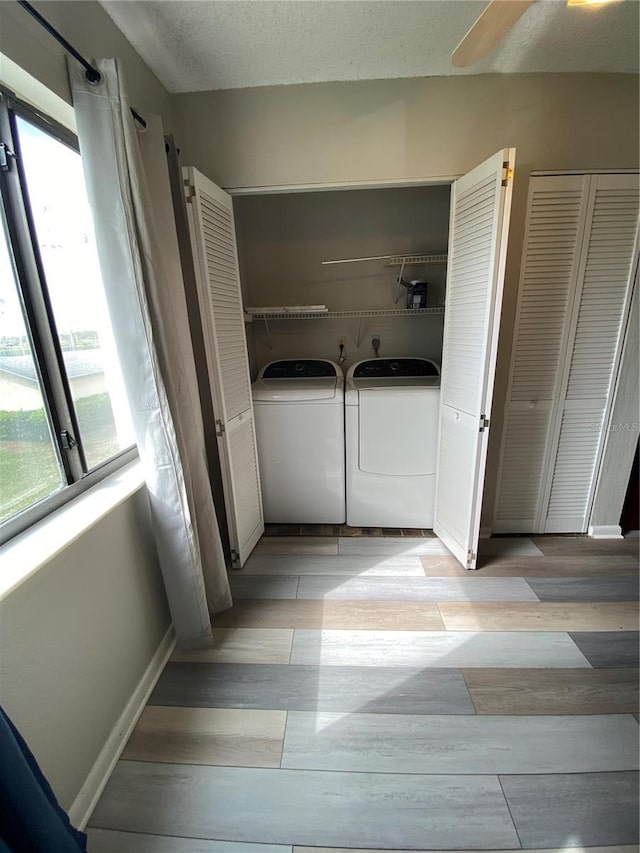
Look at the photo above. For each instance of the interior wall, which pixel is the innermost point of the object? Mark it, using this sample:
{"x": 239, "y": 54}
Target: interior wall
{"x": 76, "y": 638}
{"x": 87, "y": 26}
{"x": 407, "y": 129}
{"x": 283, "y": 239}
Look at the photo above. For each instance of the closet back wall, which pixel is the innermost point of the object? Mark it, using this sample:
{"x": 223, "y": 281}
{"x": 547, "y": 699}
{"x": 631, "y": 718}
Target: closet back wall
{"x": 283, "y": 239}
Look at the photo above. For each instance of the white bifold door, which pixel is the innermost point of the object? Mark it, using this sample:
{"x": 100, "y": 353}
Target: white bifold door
{"x": 479, "y": 224}
{"x": 213, "y": 241}
{"x": 576, "y": 284}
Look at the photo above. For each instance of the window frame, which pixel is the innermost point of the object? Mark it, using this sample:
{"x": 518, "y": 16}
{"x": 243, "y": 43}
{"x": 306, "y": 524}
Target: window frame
{"x": 40, "y": 321}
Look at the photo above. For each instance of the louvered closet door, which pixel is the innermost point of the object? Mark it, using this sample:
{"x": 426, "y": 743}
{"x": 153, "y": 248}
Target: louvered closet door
{"x": 213, "y": 241}
{"x": 595, "y": 339}
{"x": 556, "y": 215}
{"x": 480, "y": 208}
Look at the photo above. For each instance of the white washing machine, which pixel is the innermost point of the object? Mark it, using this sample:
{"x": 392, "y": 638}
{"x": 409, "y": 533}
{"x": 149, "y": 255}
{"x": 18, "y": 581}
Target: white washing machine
{"x": 299, "y": 414}
{"x": 391, "y": 411}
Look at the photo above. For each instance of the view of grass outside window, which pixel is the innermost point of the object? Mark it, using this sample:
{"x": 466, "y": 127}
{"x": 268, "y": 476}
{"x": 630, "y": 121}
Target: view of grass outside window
{"x": 30, "y": 466}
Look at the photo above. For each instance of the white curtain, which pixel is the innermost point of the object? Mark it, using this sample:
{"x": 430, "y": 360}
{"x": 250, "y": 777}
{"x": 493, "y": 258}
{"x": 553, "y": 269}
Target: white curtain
{"x": 128, "y": 186}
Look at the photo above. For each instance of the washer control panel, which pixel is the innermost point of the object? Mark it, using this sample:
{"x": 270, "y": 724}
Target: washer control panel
{"x": 304, "y": 368}
{"x": 383, "y": 367}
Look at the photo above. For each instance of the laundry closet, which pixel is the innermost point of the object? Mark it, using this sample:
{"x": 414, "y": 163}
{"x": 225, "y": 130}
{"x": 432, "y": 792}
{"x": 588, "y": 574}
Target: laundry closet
{"x": 278, "y": 245}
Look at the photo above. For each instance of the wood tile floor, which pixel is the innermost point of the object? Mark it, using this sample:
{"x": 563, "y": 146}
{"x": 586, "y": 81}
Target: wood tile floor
{"x": 366, "y": 693}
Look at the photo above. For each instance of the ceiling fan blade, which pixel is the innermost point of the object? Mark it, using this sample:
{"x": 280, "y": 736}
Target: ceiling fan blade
{"x": 489, "y": 30}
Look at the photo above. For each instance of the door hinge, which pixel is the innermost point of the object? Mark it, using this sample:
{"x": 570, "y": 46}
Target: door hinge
{"x": 484, "y": 423}
{"x": 220, "y": 428}
{"x": 6, "y": 155}
{"x": 471, "y": 555}
{"x": 507, "y": 174}
{"x": 235, "y": 559}
{"x": 67, "y": 440}
{"x": 189, "y": 192}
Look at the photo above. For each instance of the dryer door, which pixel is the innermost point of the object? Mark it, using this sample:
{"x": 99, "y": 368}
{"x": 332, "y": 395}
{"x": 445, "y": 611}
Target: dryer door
{"x": 480, "y": 209}
{"x": 398, "y": 430}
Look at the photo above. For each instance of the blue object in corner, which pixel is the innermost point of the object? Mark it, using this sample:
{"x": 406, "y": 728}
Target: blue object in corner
{"x": 31, "y": 819}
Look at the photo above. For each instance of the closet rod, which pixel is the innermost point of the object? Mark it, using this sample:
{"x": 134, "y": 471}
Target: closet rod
{"x": 93, "y": 75}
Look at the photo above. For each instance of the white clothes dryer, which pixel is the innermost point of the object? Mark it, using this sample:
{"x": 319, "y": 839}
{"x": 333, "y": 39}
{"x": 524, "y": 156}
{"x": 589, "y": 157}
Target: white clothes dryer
{"x": 299, "y": 415}
{"x": 391, "y": 416}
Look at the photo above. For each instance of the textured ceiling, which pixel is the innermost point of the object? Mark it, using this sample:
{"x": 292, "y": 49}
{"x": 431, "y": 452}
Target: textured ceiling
{"x": 229, "y": 44}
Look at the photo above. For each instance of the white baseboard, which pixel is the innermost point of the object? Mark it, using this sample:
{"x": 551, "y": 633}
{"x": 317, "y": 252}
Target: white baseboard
{"x": 485, "y": 532}
{"x": 84, "y": 804}
{"x": 605, "y": 531}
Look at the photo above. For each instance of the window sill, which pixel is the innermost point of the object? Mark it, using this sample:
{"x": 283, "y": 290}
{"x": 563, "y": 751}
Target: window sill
{"x": 23, "y": 555}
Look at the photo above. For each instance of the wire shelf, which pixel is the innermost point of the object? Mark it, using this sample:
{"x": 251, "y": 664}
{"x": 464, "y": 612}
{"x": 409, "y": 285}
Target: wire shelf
{"x": 338, "y": 315}
{"x": 396, "y": 260}
{"x": 411, "y": 260}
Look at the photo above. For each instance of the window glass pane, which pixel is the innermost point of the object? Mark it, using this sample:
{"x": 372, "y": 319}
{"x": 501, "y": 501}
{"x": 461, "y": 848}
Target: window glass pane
{"x": 29, "y": 466}
{"x": 65, "y": 236}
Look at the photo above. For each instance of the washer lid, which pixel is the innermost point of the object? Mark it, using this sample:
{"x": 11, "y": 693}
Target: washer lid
{"x": 296, "y": 390}
{"x": 302, "y": 380}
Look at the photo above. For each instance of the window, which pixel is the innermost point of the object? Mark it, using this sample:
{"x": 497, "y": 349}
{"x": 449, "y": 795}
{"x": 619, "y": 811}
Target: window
{"x": 64, "y": 419}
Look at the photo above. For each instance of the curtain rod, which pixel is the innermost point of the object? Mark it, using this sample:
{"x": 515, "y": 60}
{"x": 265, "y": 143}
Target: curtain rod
{"x": 93, "y": 75}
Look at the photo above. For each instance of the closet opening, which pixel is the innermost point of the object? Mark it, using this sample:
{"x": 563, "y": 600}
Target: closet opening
{"x": 370, "y": 266}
